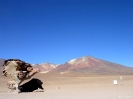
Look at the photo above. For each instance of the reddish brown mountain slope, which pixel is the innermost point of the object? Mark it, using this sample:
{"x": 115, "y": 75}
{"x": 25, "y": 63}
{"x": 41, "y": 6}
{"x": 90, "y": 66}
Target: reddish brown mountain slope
{"x": 90, "y": 65}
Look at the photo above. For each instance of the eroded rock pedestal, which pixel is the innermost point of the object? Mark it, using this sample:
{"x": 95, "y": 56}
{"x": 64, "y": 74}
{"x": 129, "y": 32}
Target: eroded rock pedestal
{"x": 12, "y": 87}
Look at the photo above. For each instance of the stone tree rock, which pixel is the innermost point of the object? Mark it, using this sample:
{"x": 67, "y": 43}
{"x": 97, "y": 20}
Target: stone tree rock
{"x": 16, "y": 71}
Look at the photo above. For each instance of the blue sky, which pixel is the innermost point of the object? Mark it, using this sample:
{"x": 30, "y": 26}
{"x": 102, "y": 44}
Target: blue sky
{"x": 57, "y": 31}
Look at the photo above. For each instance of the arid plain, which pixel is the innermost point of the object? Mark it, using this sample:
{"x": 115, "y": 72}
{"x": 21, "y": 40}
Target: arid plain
{"x": 81, "y": 78}
{"x": 73, "y": 87}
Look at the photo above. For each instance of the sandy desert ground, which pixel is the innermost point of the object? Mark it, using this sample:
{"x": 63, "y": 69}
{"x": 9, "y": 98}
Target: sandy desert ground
{"x": 91, "y": 87}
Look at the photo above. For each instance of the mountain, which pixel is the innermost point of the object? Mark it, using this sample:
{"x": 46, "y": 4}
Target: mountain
{"x": 1, "y": 61}
{"x": 90, "y": 65}
{"x": 1, "y": 64}
{"x": 45, "y": 67}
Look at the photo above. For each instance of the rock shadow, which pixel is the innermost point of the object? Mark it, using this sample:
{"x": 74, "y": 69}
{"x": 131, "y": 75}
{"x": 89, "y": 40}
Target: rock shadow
{"x": 31, "y": 86}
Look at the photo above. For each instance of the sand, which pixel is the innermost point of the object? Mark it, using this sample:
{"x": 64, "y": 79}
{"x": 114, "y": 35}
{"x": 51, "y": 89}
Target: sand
{"x": 91, "y": 87}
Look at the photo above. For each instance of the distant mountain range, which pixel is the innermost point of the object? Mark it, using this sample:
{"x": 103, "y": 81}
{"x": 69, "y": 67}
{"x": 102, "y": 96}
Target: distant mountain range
{"x": 45, "y": 67}
{"x": 83, "y": 66}
{"x": 1, "y": 63}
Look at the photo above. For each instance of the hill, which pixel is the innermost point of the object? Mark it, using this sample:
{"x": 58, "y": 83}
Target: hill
{"x": 90, "y": 65}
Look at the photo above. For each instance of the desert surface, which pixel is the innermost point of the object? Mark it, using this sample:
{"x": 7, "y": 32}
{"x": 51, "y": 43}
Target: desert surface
{"x": 76, "y": 87}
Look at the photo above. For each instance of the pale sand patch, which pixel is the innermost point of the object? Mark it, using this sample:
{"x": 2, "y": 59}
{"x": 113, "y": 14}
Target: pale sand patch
{"x": 95, "y": 87}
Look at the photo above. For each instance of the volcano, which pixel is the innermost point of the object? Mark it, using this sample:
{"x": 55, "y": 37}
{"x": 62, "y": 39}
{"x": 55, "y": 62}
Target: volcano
{"x": 91, "y": 65}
